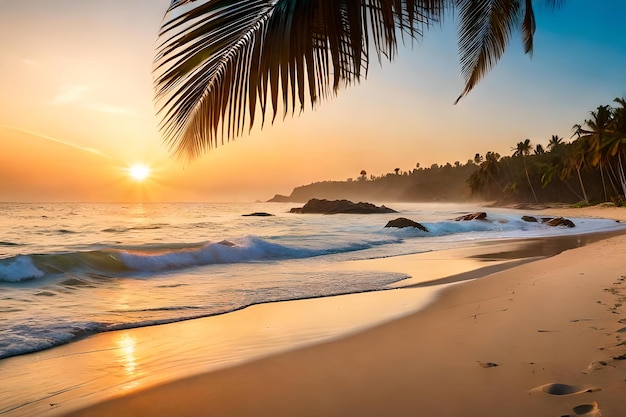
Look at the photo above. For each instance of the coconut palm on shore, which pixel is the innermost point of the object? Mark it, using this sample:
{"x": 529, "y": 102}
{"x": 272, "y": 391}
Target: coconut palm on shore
{"x": 522, "y": 150}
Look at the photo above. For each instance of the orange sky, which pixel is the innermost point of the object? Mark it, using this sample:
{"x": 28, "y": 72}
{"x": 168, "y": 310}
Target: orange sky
{"x": 76, "y": 107}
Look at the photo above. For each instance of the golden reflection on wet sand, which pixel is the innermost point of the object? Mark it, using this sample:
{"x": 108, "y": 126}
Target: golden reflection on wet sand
{"x": 126, "y": 357}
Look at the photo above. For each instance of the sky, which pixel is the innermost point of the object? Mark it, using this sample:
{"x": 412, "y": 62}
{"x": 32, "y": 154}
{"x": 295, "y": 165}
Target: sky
{"x": 77, "y": 106}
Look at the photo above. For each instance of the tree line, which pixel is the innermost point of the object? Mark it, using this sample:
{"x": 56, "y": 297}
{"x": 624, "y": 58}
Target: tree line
{"x": 589, "y": 168}
{"x": 435, "y": 183}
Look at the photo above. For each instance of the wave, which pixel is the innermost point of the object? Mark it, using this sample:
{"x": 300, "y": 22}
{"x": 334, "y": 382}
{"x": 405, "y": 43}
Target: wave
{"x": 141, "y": 227}
{"x": 251, "y": 249}
{"x": 31, "y": 338}
{"x": 155, "y": 258}
{"x": 167, "y": 257}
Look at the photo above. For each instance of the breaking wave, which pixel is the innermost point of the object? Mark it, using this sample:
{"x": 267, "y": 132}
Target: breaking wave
{"x": 167, "y": 257}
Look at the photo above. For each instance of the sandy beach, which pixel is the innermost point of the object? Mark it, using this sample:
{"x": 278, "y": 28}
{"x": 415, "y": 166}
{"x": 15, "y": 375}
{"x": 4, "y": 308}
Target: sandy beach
{"x": 542, "y": 338}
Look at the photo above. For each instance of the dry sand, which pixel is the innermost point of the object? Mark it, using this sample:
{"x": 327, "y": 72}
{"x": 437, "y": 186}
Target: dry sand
{"x": 540, "y": 339}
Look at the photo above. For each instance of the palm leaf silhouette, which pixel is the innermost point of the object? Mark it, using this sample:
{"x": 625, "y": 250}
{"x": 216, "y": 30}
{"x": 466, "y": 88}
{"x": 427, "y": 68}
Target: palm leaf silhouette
{"x": 219, "y": 61}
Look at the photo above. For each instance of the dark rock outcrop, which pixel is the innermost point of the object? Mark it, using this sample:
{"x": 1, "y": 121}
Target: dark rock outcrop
{"x": 472, "y": 216}
{"x": 402, "y": 222}
{"x": 558, "y": 221}
{"x": 550, "y": 221}
{"x": 340, "y": 206}
{"x": 257, "y": 214}
{"x": 530, "y": 219}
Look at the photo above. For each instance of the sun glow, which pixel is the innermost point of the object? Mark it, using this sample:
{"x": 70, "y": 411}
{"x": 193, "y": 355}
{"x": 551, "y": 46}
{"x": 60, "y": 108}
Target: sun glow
{"x": 139, "y": 172}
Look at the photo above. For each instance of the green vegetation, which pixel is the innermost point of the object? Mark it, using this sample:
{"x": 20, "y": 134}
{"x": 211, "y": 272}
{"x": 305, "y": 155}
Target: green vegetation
{"x": 588, "y": 169}
{"x": 437, "y": 183}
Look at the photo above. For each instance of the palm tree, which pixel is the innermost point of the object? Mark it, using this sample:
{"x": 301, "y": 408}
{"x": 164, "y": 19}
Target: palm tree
{"x": 619, "y": 115}
{"x": 603, "y": 143}
{"x": 555, "y": 142}
{"x": 522, "y": 150}
{"x": 220, "y": 60}
{"x": 561, "y": 162}
{"x": 576, "y": 159}
{"x": 599, "y": 126}
{"x": 539, "y": 149}
{"x": 490, "y": 167}
{"x": 485, "y": 176}
{"x": 616, "y": 138}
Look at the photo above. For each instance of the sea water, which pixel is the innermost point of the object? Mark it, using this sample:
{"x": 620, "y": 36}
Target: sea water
{"x": 70, "y": 270}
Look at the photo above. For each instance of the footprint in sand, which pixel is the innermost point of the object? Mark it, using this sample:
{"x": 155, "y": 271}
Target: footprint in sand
{"x": 596, "y": 365}
{"x": 591, "y": 410}
{"x": 487, "y": 364}
{"x": 588, "y": 410}
{"x": 565, "y": 389}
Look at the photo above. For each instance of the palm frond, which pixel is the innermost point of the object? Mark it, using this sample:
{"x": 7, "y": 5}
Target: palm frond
{"x": 221, "y": 60}
{"x": 485, "y": 29}
{"x": 528, "y": 27}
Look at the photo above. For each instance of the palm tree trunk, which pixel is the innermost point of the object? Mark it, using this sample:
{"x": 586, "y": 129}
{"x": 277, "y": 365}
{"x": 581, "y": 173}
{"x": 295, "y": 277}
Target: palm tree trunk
{"x": 582, "y": 186}
{"x": 622, "y": 177}
{"x": 606, "y": 196}
{"x": 572, "y": 190}
{"x": 497, "y": 183}
{"x": 529, "y": 183}
{"x": 612, "y": 176}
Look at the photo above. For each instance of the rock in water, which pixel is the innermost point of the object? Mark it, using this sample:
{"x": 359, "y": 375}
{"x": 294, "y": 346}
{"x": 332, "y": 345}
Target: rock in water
{"x": 402, "y": 222}
{"x": 530, "y": 219}
{"x": 472, "y": 216}
{"x": 559, "y": 221}
{"x": 315, "y": 205}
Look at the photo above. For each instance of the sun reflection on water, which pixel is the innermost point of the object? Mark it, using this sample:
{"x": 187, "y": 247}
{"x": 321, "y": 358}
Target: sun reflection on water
{"x": 127, "y": 358}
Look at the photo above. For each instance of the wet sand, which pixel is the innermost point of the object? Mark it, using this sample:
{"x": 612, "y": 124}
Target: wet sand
{"x": 527, "y": 338}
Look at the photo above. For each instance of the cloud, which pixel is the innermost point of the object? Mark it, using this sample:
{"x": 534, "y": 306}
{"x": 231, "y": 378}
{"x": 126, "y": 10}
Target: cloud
{"x": 28, "y": 62}
{"x": 62, "y": 142}
{"x": 108, "y": 108}
{"x": 69, "y": 94}
{"x": 77, "y": 94}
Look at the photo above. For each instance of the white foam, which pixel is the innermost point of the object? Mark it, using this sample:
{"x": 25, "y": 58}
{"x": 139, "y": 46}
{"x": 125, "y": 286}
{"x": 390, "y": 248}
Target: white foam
{"x": 19, "y": 269}
{"x": 507, "y": 226}
{"x": 43, "y": 334}
{"x": 250, "y": 249}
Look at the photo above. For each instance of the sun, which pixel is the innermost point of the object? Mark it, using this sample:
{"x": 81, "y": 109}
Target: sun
{"x": 139, "y": 172}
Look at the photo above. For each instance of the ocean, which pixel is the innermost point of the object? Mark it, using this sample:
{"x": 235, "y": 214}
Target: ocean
{"x": 71, "y": 270}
